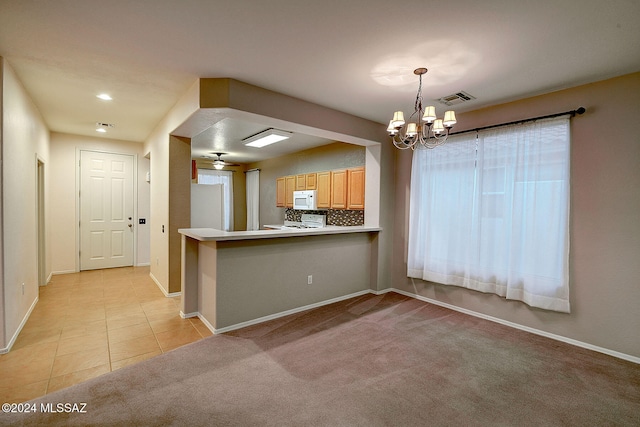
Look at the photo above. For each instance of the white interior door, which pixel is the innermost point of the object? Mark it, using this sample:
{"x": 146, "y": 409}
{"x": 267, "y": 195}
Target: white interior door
{"x": 106, "y": 210}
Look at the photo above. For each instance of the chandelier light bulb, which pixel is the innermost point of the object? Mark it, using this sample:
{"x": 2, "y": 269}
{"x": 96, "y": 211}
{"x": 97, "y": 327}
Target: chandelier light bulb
{"x": 438, "y": 127}
{"x": 429, "y": 114}
{"x": 398, "y": 119}
{"x": 391, "y": 129}
{"x": 449, "y": 119}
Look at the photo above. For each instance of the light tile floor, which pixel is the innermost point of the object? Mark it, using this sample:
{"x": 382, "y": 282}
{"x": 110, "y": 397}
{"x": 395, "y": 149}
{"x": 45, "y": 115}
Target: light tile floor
{"x": 89, "y": 323}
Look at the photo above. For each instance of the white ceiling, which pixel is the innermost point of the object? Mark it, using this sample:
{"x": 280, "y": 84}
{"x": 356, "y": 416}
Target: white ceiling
{"x": 355, "y": 56}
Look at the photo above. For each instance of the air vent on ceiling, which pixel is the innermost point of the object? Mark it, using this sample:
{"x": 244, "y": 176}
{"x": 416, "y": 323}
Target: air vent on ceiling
{"x": 456, "y": 98}
{"x": 104, "y": 125}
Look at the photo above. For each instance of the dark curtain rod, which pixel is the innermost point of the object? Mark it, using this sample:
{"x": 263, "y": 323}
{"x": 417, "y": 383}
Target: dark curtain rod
{"x": 572, "y": 113}
{"x": 252, "y": 170}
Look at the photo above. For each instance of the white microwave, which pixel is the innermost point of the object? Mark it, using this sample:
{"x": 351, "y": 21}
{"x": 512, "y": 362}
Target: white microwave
{"x": 305, "y": 200}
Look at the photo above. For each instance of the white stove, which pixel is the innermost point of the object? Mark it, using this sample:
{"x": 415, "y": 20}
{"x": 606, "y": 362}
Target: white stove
{"x": 307, "y": 221}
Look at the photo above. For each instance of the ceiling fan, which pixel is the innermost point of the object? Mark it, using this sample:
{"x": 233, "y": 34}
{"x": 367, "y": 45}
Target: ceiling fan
{"x": 218, "y": 163}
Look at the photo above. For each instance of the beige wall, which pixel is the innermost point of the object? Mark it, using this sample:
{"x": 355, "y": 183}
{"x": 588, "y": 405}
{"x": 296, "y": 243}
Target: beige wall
{"x": 64, "y": 190}
{"x": 179, "y": 204}
{"x": 25, "y": 137}
{"x": 263, "y": 277}
{"x": 605, "y": 219}
{"x": 156, "y": 146}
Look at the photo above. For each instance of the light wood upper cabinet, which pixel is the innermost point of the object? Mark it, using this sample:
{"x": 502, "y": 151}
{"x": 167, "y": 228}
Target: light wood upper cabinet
{"x": 323, "y": 183}
{"x": 355, "y": 193}
{"x": 339, "y": 189}
{"x": 301, "y": 182}
{"x": 281, "y": 193}
{"x": 289, "y": 187}
{"x": 312, "y": 181}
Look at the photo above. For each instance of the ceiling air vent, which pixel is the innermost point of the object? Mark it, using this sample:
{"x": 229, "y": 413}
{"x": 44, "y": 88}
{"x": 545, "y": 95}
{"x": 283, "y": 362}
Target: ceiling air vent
{"x": 103, "y": 127}
{"x": 456, "y": 98}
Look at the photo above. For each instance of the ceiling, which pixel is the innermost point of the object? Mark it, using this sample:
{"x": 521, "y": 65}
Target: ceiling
{"x": 356, "y": 56}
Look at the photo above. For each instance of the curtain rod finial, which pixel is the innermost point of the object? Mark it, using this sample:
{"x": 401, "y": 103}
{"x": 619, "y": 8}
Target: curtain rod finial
{"x": 581, "y": 110}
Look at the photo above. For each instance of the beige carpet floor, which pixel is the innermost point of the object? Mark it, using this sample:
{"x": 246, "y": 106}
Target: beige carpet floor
{"x": 384, "y": 360}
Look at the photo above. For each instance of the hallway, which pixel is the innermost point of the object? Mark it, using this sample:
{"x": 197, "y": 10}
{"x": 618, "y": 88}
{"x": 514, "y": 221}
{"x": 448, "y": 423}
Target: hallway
{"x": 89, "y": 323}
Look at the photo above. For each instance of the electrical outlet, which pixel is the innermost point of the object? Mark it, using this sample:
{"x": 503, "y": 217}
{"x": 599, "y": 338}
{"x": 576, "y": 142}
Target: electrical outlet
{"x": 309, "y": 279}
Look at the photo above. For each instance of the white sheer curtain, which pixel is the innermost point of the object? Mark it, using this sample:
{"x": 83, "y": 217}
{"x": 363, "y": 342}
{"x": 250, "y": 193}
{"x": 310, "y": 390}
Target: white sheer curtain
{"x": 253, "y": 200}
{"x": 491, "y": 213}
{"x": 208, "y": 176}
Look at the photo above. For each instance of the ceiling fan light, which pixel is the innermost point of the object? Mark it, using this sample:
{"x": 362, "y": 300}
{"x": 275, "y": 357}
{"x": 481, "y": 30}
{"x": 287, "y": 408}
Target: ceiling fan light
{"x": 218, "y": 164}
{"x": 266, "y": 137}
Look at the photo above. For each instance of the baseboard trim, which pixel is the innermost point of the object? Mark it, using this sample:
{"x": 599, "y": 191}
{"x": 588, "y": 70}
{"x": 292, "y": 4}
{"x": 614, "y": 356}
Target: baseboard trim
{"x": 556, "y": 337}
{"x": 162, "y": 289}
{"x": 55, "y": 273}
{"x": 282, "y": 313}
{"x": 24, "y": 321}
{"x": 384, "y": 291}
{"x": 143, "y": 264}
{"x": 535, "y": 331}
{"x": 189, "y": 315}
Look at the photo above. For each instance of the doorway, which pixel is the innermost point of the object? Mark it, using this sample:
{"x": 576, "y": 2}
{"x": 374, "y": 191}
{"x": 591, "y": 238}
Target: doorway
{"x": 41, "y": 235}
{"x": 106, "y": 210}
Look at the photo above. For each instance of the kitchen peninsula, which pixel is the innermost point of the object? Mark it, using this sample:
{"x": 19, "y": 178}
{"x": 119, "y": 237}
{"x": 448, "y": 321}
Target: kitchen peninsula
{"x": 234, "y": 279}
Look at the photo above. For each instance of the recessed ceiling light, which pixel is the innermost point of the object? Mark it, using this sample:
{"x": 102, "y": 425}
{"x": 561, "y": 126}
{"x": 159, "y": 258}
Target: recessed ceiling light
{"x": 104, "y": 97}
{"x": 266, "y": 137}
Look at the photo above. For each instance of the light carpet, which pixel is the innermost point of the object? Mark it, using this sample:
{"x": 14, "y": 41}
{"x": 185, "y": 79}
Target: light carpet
{"x": 385, "y": 360}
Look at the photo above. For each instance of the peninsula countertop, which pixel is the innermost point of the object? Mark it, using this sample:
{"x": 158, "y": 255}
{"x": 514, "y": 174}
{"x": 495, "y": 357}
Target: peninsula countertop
{"x": 212, "y": 234}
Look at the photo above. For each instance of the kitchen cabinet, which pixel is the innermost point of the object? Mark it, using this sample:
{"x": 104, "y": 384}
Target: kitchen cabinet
{"x": 339, "y": 189}
{"x": 323, "y": 184}
{"x": 355, "y": 192}
{"x": 301, "y": 182}
{"x": 281, "y": 193}
{"x": 289, "y": 187}
{"x": 311, "y": 181}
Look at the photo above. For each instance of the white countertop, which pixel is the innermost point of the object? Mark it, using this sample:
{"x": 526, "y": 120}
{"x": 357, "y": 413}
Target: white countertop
{"x": 211, "y": 234}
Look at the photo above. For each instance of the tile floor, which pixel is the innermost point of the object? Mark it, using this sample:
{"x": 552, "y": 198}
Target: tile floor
{"x": 89, "y": 323}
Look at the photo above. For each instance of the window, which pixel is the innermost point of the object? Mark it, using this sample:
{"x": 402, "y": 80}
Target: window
{"x": 490, "y": 212}
{"x": 207, "y": 176}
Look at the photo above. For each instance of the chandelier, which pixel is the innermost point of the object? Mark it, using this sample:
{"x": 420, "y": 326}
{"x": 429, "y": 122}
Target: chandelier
{"x": 428, "y": 132}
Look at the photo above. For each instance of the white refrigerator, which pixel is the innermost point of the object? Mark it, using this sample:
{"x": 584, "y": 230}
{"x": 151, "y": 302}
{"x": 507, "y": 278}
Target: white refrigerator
{"x": 207, "y": 206}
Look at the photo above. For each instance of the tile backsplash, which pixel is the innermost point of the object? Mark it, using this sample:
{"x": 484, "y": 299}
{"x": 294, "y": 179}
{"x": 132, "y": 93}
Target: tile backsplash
{"x": 341, "y": 217}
